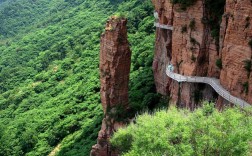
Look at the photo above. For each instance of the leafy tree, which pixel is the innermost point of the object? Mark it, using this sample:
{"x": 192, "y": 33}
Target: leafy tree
{"x": 49, "y": 77}
{"x": 206, "y": 131}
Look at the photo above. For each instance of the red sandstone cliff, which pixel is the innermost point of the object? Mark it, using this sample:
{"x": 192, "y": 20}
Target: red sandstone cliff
{"x": 115, "y": 57}
{"x": 193, "y": 51}
{"x": 235, "y": 52}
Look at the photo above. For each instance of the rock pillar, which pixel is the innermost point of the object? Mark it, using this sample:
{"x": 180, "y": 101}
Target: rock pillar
{"x": 115, "y": 57}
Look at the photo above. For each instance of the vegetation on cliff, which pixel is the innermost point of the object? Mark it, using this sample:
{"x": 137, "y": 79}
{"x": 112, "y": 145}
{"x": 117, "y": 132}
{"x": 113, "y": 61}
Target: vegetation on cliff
{"x": 184, "y": 3}
{"x": 49, "y": 80}
{"x": 206, "y": 131}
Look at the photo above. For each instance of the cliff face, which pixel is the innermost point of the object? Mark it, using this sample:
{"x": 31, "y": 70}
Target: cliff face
{"x": 193, "y": 49}
{"x": 163, "y": 48}
{"x": 236, "y": 53}
{"x": 189, "y": 47}
{"x": 115, "y": 57}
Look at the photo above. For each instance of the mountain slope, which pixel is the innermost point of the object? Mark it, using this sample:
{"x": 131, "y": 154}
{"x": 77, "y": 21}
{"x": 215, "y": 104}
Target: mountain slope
{"x": 49, "y": 73}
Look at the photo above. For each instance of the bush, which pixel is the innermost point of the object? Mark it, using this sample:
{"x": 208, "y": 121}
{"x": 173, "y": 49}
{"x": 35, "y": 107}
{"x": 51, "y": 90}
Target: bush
{"x": 192, "y": 25}
{"x": 247, "y": 22}
{"x": 206, "y": 131}
{"x": 193, "y": 41}
{"x": 247, "y": 65}
{"x": 123, "y": 140}
{"x": 184, "y": 29}
{"x": 184, "y": 3}
{"x": 246, "y": 87}
{"x": 250, "y": 43}
{"x": 218, "y": 63}
{"x": 118, "y": 113}
{"x": 215, "y": 33}
{"x": 193, "y": 58}
{"x": 51, "y": 84}
{"x": 119, "y": 15}
{"x": 214, "y": 17}
{"x": 197, "y": 96}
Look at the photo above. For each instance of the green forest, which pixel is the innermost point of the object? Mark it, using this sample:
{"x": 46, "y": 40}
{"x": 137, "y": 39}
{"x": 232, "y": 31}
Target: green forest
{"x": 50, "y": 87}
{"x": 204, "y": 132}
{"x": 49, "y": 75}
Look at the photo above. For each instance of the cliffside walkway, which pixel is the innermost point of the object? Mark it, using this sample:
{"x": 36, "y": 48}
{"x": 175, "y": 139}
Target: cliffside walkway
{"x": 215, "y": 83}
{"x": 163, "y": 26}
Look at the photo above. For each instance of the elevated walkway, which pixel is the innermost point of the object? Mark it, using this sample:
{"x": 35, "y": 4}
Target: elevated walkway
{"x": 215, "y": 83}
{"x": 163, "y": 26}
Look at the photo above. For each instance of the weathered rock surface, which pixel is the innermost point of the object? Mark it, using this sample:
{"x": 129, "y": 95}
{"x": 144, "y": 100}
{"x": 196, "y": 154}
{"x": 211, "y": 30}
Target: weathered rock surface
{"x": 163, "y": 47}
{"x": 115, "y": 57}
{"x": 192, "y": 50}
{"x": 236, "y": 34}
{"x": 189, "y": 47}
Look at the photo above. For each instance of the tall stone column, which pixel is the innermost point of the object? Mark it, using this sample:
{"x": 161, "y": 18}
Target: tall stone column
{"x": 115, "y": 62}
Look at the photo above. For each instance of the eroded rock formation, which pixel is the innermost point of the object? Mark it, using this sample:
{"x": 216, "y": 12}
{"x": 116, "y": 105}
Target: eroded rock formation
{"x": 193, "y": 48}
{"x": 236, "y": 53}
{"x": 115, "y": 57}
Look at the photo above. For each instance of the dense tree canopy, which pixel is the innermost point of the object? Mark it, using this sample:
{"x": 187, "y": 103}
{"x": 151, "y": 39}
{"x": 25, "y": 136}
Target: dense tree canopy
{"x": 205, "y": 131}
{"x": 49, "y": 76}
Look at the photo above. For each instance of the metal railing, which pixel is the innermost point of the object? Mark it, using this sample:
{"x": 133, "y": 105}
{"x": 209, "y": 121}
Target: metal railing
{"x": 215, "y": 83}
{"x": 163, "y": 26}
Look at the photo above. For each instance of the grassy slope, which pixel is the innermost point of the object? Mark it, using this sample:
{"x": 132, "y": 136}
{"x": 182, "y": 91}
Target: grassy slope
{"x": 49, "y": 74}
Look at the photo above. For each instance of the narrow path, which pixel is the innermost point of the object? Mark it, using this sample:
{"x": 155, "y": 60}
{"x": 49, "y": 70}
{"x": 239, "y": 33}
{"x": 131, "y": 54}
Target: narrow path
{"x": 55, "y": 150}
{"x": 163, "y": 26}
{"x": 215, "y": 83}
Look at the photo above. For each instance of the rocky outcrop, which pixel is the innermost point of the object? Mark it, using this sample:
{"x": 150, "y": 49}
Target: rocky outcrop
{"x": 235, "y": 51}
{"x": 194, "y": 47}
{"x": 115, "y": 57}
{"x": 163, "y": 47}
{"x": 189, "y": 47}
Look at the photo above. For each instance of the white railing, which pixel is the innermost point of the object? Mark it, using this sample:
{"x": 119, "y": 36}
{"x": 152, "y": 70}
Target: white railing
{"x": 163, "y": 26}
{"x": 215, "y": 83}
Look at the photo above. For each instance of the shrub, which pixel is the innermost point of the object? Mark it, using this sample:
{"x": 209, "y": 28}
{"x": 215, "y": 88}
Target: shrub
{"x": 193, "y": 41}
{"x": 197, "y": 96}
{"x": 184, "y": 3}
{"x": 247, "y": 65}
{"x": 123, "y": 140}
{"x": 215, "y": 33}
{"x": 218, "y": 63}
{"x": 118, "y": 113}
{"x": 184, "y": 29}
{"x": 193, "y": 58}
{"x": 192, "y": 25}
{"x": 206, "y": 131}
{"x": 246, "y": 87}
{"x": 215, "y": 9}
{"x": 119, "y": 15}
{"x": 250, "y": 43}
{"x": 247, "y": 22}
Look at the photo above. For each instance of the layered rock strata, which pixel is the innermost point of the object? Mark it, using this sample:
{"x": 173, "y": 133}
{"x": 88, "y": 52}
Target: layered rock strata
{"x": 236, "y": 54}
{"x": 115, "y": 57}
{"x": 193, "y": 51}
{"x": 163, "y": 47}
{"x": 189, "y": 47}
